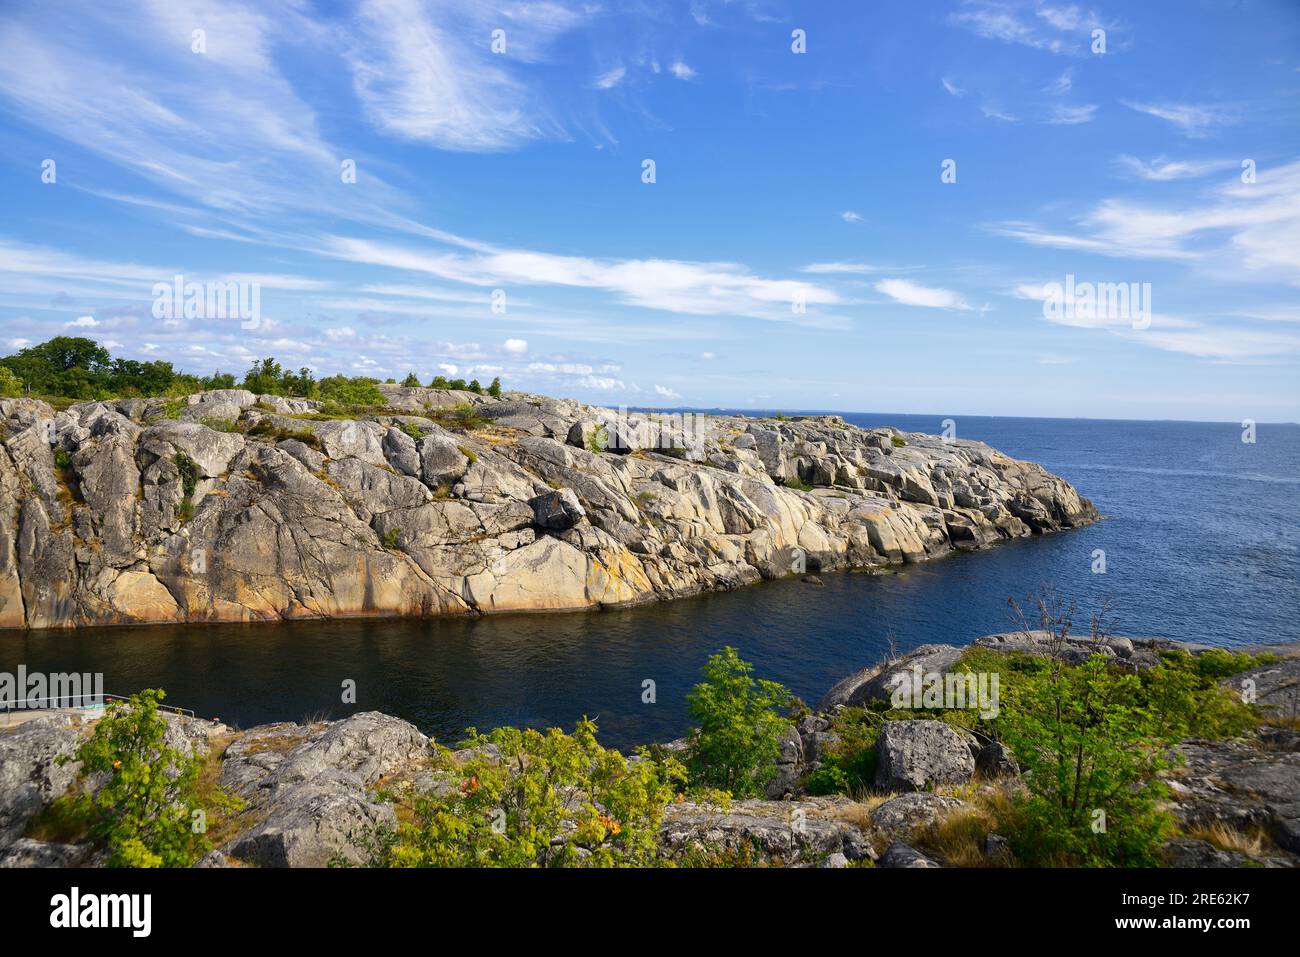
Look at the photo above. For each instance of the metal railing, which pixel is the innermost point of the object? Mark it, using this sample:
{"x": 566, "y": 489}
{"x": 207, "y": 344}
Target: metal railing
{"x": 98, "y": 704}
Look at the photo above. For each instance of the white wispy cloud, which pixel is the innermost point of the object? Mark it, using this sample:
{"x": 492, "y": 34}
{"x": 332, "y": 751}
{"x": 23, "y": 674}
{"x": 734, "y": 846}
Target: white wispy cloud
{"x": 1162, "y": 170}
{"x": 1243, "y": 228}
{"x": 610, "y": 78}
{"x": 1057, "y": 29}
{"x": 849, "y": 216}
{"x": 1192, "y": 119}
{"x": 913, "y": 294}
{"x": 420, "y": 75}
{"x": 994, "y": 112}
{"x": 683, "y": 287}
{"x": 952, "y": 88}
{"x": 681, "y": 70}
{"x": 1065, "y": 115}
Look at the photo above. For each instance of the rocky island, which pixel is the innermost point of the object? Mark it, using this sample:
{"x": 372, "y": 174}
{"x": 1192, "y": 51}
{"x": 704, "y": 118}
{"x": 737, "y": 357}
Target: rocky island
{"x": 230, "y": 506}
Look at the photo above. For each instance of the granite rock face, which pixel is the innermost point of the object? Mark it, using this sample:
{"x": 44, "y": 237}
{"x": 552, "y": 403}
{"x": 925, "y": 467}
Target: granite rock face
{"x": 244, "y": 508}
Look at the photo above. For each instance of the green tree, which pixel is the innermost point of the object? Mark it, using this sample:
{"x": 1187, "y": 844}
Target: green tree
{"x": 65, "y": 365}
{"x": 474, "y": 386}
{"x": 412, "y": 381}
{"x": 494, "y": 389}
{"x": 740, "y": 726}
{"x": 265, "y": 378}
{"x": 351, "y": 393}
{"x": 541, "y": 800}
{"x": 131, "y": 377}
{"x": 1091, "y": 753}
{"x": 439, "y": 382}
{"x": 218, "y": 380}
{"x": 10, "y": 385}
{"x": 147, "y": 809}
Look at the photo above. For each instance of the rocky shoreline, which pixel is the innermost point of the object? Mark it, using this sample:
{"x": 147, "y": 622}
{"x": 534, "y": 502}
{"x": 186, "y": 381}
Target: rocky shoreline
{"x": 313, "y": 792}
{"x": 229, "y": 506}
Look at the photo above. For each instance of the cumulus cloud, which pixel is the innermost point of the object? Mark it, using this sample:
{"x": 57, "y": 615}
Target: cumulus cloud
{"x": 913, "y": 294}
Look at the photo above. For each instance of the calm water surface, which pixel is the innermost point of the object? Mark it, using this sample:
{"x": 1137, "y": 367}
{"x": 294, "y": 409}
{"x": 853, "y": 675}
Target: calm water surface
{"x": 1202, "y": 543}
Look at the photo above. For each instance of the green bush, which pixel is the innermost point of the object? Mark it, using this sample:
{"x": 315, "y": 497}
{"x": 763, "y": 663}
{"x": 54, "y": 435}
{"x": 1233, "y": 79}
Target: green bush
{"x": 190, "y": 475}
{"x": 412, "y": 381}
{"x": 352, "y": 393}
{"x": 897, "y": 441}
{"x": 740, "y": 726}
{"x": 1091, "y": 750}
{"x": 849, "y": 765}
{"x": 598, "y": 439}
{"x": 494, "y": 389}
{"x": 463, "y": 416}
{"x": 265, "y": 428}
{"x": 544, "y": 800}
{"x": 10, "y": 385}
{"x": 148, "y": 812}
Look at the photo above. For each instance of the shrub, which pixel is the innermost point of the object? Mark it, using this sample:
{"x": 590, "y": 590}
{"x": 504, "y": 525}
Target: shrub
{"x": 10, "y": 385}
{"x": 352, "y": 393}
{"x": 797, "y": 484}
{"x": 897, "y": 441}
{"x": 494, "y": 389}
{"x": 1091, "y": 753}
{"x": 148, "y": 812}
{"x": 268, "y": 429}
{"x": 849, "y": 765}
{"x": 412, "y": 381}
{"x": 220, "y": 425}
{"x": 462, "y": 416}
{"x": 598, "y": 439}
{"x": 549, "y": 800}
{"x": 740, "y": 726}
{"x": 190, "y": 475}
{"x": 391, "y": 536}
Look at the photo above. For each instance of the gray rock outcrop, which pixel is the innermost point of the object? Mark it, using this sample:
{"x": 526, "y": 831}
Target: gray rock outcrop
{"x": 246, "y": 508}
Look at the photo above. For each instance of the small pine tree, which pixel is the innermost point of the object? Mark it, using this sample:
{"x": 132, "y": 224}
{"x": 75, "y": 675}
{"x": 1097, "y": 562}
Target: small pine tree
{"x": 411, "y": 381}
{"x": 494, "y": 389}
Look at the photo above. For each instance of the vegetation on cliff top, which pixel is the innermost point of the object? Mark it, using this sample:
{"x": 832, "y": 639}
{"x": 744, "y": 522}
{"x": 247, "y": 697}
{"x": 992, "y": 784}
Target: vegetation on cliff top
{"x": 80, "y": 369}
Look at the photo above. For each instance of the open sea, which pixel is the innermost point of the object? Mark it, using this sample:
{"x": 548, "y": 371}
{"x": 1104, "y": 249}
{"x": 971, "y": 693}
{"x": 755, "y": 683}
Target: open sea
{"x": 1201, "y": 538}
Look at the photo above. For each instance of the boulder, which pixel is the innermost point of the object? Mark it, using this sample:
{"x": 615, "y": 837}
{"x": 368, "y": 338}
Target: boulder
{"x": 557, "y": 510}
{"x": 899, "y": 854}
{"x": 918, "y": 755}
{"x": 441, "y": 460}
{"x": 907, "y": 812}
{"x": 36, "y": 767}
{"x": 789, "y": 832}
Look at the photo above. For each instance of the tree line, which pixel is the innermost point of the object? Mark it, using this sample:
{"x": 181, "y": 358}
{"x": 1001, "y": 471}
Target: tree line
{"x": 73, "y": 367}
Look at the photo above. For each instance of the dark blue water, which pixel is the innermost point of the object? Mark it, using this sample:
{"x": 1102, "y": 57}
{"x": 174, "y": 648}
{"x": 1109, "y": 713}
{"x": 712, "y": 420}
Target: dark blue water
{"x": 1202, "y": 543}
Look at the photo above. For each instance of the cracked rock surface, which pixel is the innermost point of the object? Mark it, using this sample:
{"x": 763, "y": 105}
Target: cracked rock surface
{"x": 241, "y": 507}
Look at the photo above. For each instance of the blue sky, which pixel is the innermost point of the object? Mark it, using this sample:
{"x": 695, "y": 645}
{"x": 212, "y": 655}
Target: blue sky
{"x": 797, "y": 249}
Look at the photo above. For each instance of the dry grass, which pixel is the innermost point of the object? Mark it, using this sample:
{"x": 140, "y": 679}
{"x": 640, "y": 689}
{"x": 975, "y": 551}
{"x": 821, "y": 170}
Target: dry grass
{"x": 1225, "y": 837}
{"x": 958, "y": 838}
{"x": 859, "y": 812}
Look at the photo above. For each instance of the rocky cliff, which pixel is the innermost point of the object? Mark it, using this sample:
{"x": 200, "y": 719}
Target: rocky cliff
{"x": 228, "y": 506}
